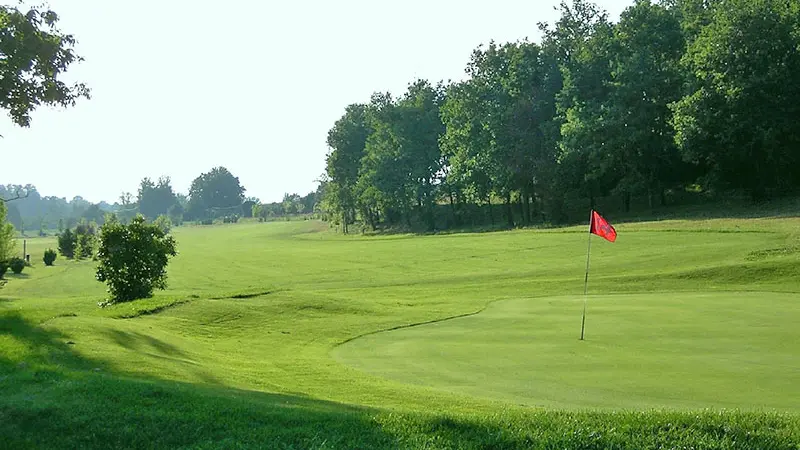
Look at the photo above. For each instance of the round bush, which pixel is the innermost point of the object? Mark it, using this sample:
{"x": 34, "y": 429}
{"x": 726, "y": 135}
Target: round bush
{"x": 16, "y": 264}
{"x": 49, "y": 257}
{"x": 3, "y": 268}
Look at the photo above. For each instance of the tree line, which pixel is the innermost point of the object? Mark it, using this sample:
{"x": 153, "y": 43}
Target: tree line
{"x": 214, "y": 195}
{"x": 676, "y": 95}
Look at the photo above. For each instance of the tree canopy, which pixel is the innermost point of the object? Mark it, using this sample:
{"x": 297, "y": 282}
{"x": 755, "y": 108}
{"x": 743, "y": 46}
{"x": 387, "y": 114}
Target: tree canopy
{"x": 216, "y": 190}
{"x": 35, "y": 53}
{"x": 676, "y": 96}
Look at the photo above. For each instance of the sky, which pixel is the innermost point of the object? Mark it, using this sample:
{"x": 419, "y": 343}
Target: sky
{"x": 179, "y": 86}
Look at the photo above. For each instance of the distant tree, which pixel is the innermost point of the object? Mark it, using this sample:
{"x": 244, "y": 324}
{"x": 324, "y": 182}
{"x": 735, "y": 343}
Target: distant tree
{"x": 155, "y": 199}
{"x": 35, "y": 55}
{"x": 15, "y": 218}
{"x": 85, "y": 234}
{"x": 347, "y": 140}
{"x": 127, "y": 207}
{"x": 79, "y": 206}
{"x": 163, "y": 223}
{"x": 289, "y": 204}
{"x": 175, "y": 214}
{"x": 256, "y": 211}
{"x": 49, "y": 257}
{"x": 67, "y": 241}
{"x": 94, "y": 214}
{"x": 247, "y": 206}
{"x": 133, "y": 259}
{"x": 216, "y": 190}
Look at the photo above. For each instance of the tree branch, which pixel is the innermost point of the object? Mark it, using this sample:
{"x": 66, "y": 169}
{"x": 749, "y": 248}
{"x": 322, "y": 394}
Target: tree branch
{"x": 17, "y": 196}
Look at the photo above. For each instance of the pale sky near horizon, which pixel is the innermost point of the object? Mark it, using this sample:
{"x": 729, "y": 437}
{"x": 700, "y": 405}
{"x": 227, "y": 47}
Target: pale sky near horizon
{"x": 179, "y": 87}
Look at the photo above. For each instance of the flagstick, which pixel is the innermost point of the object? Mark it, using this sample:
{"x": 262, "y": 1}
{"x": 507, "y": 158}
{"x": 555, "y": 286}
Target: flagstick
{"x": 586, "y": 277}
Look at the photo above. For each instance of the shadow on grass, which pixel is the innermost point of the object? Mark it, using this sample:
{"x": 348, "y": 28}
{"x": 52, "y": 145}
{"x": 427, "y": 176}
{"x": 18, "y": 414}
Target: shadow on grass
{"x": 53, "y": 400}
{"x": 52, "y": 397}
{"x": 138, "y": 341}
{"x": 17, "y": 276}
{"x": 28, "y": 346}
{"x": 155, "y": 348}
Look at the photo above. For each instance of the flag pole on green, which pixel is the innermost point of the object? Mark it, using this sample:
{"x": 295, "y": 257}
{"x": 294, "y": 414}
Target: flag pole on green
{"x": 599, "y": 226}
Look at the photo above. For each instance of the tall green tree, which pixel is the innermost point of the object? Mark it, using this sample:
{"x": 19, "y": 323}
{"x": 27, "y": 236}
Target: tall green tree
{"x": 347, "y": 141}
{"x": 646, "y": 78}
{"x": 501, "y": 128}
{"x": 582, "y": 41}
{"x": 402, "y": 165}
{"x": 215, "y": 192}
{"x": 156, "y": 199}
{"x": 419, "y": 129}
{"x": 383, "y": 177}
{"x": 35, "y": 55}
{"x": 740, "y": 118}
{"x": 468, "y": 167}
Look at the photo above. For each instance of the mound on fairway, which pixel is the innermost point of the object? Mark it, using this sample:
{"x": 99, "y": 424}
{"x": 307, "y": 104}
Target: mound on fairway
{"x": 689, "y": 350}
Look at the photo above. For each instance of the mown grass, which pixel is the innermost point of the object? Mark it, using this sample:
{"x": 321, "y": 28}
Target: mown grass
{"x": 237, "y": 353}
{"x": 681, "y": 351}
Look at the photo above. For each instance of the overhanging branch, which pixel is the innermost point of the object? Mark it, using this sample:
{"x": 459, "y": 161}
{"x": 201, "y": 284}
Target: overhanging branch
{"x": 17, "y": 196}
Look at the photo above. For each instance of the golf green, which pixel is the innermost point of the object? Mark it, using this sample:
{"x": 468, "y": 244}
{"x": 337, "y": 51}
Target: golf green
{"x": 654, "y": 350}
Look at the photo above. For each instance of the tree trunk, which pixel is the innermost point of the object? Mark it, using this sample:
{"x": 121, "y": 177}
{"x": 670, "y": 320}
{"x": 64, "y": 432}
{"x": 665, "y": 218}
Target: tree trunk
{"x": 521, "y": 204}
{"x": 431, "y": 216}
{"x": 373, "y": 223}
{"x": 453, "y": 210}
{"x": 626, "y": 200}
{"x": 663, "y": 194}
{"x": 491, "y": 212}
{"x": 529, "y": 206}
{"x": 509, "y": 211}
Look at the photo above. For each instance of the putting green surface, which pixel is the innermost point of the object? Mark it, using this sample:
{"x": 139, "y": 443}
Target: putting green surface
{"x": 685, "y": 350}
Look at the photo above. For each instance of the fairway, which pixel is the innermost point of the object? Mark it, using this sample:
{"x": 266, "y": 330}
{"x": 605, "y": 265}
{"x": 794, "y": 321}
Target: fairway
{"x": 682, "y": 351}
{"x": 289, "y": 320}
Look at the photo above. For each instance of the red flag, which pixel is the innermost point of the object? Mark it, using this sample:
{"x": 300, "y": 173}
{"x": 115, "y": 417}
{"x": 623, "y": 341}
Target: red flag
{"x": 602, "y": 228}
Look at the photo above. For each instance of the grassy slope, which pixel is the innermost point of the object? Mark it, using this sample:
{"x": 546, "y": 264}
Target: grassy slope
{"x": 265, "y": 305}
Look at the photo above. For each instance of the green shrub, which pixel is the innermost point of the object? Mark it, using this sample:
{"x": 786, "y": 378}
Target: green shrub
{"x": 67, "y": 241}
{"x": 133, "y": 259}
{"x": 207, "y": 222}
{"x": 86, "y": 240}
{"x": 164, "y": 223}
{"x": 16, "y": 264}
{"x": 3, "y": 268}
{"x": 49, "y": 257}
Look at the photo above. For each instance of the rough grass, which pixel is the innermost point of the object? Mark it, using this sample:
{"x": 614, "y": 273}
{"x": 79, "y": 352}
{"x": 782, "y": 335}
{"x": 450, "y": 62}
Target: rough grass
{"x": 246, "y": 362}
